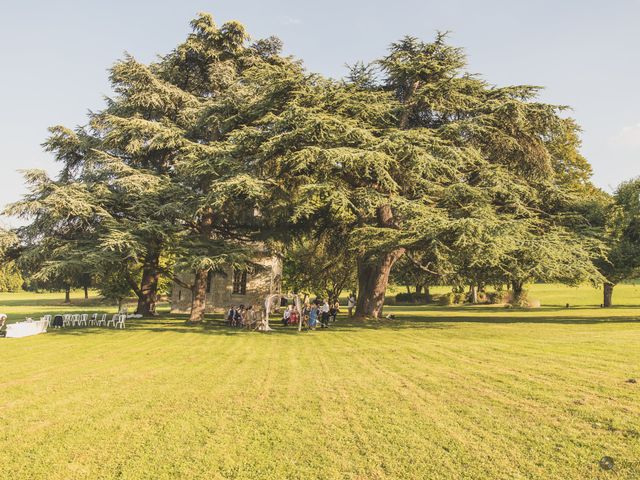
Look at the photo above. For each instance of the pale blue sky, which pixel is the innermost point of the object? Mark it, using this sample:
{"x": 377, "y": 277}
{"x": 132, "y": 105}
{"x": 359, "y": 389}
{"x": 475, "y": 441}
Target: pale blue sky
{"x": 54, "y": 56}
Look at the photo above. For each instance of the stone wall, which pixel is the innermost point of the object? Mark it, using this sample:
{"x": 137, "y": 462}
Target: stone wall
{"x": 261, "y": 283}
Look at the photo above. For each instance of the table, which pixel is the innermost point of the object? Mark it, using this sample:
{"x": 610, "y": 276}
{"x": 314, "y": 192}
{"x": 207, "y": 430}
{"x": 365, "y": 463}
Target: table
{"x": 26, "y": 329}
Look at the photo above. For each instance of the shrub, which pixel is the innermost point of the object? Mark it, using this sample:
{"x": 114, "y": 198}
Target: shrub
{"x": 459, "y": 298}
{"x": 449, "y": 298}
{"x": 496, "y": 297}
{"x": 415, "y": 298}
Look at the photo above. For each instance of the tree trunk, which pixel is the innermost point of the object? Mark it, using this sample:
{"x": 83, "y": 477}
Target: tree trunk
{"x": 409, "y": 289}
{"x": 373, "y": 278}
{"x": 517, "y": 291}
{"x": 406, "y": 112}
{"x": 67, "y": 294}
{"x": 608, "y": 293}
{"x": 199, "y": 296}
{"x": 199, "y": 289}
{"x": 473, "y": 291}
{"x": 418, "y": 289}
{"x": 373, "y": 272}
{"x": 149, "y": 284}
{"x": 86, "y": 292}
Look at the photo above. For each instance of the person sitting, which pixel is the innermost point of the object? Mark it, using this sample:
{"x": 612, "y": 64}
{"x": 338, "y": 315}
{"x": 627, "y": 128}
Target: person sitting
{"x": 294, "y": 317}
{"x": 286, "y": 315}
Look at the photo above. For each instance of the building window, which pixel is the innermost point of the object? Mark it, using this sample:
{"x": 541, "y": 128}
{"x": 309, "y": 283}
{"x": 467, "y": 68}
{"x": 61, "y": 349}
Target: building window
{"x": 209, "y": 279}
{"x": 239, "y": 282}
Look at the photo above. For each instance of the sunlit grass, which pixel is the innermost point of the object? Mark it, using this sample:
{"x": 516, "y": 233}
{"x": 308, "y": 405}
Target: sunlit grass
{"x": 439, "y": 392}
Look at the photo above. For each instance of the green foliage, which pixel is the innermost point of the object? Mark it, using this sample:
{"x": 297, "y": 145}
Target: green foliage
{"x": 222, "y": 145}
{"x": 622, "y": 233}
{"x": 415, "y": 298}
{"x": 160, "y": 174}
{"x": 414, "y": 272}
{"x": 319, "y": 265}
{"x": 10, "y": 277}
{"x": 114, "y": 286}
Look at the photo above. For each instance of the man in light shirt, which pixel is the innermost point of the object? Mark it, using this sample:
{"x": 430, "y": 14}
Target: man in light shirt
{"x": 324, "y": 318}
{"x": 351, "y": 304}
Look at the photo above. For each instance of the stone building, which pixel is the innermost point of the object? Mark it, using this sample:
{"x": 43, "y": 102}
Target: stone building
{"x": 234, "y": 287}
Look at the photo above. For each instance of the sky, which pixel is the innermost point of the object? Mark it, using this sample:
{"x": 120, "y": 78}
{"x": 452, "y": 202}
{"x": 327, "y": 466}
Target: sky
{"x": 54, "y": 57}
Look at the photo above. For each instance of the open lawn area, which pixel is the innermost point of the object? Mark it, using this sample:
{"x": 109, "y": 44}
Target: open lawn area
{"x": 438, "y": 393}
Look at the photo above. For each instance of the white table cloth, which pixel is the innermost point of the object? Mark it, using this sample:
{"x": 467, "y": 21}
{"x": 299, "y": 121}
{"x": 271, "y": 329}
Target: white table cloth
{"x": 26, "y": 329}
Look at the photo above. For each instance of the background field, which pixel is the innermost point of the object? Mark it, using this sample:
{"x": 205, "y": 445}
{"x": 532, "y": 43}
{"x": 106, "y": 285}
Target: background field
{"x": 440, "y": 392}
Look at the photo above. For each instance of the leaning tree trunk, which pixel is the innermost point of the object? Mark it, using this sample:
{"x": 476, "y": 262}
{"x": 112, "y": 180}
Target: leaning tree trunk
{"x": 373, "y": 274}
{"x": 199, "y": 297}
{"x": 608, "y": 293}
{"x": 149, "y": 284}
{"x": 373, "y": 271}
{"x": 373, "y": 278}
{"x": 86, "y": 292}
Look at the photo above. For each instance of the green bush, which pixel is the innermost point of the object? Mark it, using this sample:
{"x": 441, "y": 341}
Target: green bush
{"x": 495, "y": 297}
{"x": 448, "y": 298}
{"x": 414, "y": 298}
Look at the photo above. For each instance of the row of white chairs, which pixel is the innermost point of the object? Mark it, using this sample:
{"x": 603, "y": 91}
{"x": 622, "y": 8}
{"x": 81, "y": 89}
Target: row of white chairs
{"x": 118, "y": 320}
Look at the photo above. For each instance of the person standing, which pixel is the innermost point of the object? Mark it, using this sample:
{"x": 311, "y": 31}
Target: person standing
{"x": 333, "y": 311}
{"x": 306, "y": 310}
{"x": 231, "y": 316}
{"x": 324, "y": 314}
{"x": 239, "y": 317}
{"x": 351, "y": 303}
{"x": 313, "y": 317}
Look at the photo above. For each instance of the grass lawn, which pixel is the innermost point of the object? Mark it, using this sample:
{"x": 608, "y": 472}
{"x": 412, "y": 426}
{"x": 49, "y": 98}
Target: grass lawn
{"x": 439, "y": 393}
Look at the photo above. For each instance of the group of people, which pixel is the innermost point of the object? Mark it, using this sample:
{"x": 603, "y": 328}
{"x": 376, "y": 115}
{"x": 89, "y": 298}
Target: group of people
{"x": 241, "y": 316}
{"x": 312, "y": 313}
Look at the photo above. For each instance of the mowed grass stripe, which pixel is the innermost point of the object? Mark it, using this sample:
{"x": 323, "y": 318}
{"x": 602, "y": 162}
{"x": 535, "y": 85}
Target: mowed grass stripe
{"x": 451, "y": 393}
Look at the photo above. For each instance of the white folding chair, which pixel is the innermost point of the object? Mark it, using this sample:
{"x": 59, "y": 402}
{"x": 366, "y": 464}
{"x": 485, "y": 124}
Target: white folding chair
{"x": 113, "y": 320}
{"x": 93, "y": 319}
{"x": 83, "y": 319}
{"x": 66, "y": 320}
{"x": 102, "y": 321}
{"x": 47, "y": 319}
{"x": 120, "y": 322}
{"x": 75, "y": 319}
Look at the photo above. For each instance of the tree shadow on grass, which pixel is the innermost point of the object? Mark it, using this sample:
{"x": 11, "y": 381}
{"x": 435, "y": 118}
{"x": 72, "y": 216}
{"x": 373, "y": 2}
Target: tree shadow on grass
{"x": 502, "y": 309}
{"x": 430, "y": 319}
